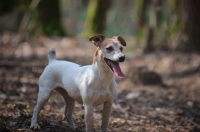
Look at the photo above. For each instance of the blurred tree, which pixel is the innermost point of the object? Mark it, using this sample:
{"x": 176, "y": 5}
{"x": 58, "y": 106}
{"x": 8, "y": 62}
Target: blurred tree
{"x": 149, "y": 12}
{"x": 11, "y": 13}
{"x": 26, "y": 18}
{"x": 40, "y": 16}
{"x": 155, "y": 18}
{"x": 7, "y": 6}
{"x": 49, "y": 17}
{"x": 189, "y": 14}
{"x": 96, "y": 17}
{"x": 141, "y": 6}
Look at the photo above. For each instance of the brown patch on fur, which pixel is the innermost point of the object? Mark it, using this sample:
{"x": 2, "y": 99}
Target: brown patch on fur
{"x": 95, "y": 55}
{"x": 106, "y": 42}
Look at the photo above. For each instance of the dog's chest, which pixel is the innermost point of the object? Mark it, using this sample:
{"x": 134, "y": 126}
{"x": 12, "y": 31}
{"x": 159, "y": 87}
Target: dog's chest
{"x": 102, "y": 99}
{"x": 101, "y": 93}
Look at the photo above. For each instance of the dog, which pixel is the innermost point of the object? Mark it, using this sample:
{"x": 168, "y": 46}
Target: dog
{"x": 89, "y": 85}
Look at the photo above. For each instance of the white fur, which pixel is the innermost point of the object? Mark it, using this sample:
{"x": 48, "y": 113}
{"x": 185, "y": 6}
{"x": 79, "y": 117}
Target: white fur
{"x": 90, "y": 85}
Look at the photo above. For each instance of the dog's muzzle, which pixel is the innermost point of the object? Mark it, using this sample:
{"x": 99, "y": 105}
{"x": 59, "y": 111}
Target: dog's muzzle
{"x": 121, "y": 58}
{"x": 114, "y": 66}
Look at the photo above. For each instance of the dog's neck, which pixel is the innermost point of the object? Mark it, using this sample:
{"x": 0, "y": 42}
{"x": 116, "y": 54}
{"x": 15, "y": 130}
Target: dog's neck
{"x": 105, "y": 73}
{"x": 95, "y": 56}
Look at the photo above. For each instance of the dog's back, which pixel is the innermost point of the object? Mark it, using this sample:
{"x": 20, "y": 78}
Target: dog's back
{"x": 65, "y": 74}
{"x": 56, "y": 69}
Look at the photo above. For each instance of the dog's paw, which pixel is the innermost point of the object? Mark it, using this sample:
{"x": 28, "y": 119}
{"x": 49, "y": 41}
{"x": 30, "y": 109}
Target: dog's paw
{"x": 35, "y": 126}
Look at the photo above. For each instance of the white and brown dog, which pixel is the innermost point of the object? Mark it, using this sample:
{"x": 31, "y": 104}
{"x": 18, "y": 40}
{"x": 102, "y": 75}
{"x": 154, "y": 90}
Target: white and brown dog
{"x": 90, "y": 85}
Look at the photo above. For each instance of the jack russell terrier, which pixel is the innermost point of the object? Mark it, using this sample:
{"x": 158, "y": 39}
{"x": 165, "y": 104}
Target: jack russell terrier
{"x": 90, "y": 85}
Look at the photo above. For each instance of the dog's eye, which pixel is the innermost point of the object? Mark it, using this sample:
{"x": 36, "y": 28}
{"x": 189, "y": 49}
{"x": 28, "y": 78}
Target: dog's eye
{"x": 121, "y": 49}
{"x": 109, "y": 48}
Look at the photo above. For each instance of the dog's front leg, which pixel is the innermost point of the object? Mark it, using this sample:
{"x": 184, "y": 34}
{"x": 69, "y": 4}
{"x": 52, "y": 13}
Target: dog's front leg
{"x": 89, "y": 118}
{"x": 105, "y": 115}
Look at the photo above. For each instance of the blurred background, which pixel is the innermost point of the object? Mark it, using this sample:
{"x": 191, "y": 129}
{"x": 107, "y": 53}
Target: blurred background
{"x": 161, "y": 90}
{"x": 154, "y": 24}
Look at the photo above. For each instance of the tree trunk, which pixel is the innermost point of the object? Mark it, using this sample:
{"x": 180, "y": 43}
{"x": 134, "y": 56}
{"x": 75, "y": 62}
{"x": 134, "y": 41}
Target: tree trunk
{"x": 155, "y": 20}
{"x": 158, "y": 11}
{"x": 96, "y": 17}
{"x": 189, "y": 14}
{"x": 148, "y": 44}
{"x": 50, "y": 18}
{"x": 142, "y": 11}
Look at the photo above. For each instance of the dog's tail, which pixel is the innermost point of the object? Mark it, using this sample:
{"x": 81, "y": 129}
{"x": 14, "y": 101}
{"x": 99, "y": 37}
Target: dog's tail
{"x": 52, "y": 55}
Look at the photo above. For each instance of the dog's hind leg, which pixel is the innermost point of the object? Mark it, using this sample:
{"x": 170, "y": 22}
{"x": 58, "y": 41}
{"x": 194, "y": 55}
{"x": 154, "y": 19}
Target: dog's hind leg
{"x": 70, "y": 102}
{"x": 43, "y": 97}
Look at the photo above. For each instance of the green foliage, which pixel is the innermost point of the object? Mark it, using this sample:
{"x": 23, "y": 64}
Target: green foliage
{"x": 24, "y": 4}
{"x": 139, "y": 4}
{"x": 92, "y": 15}
{"x": 96, "y": 17}
{"x": 50, "y": 18}
{"x": 141, "y": 36}
{"x": 169, "y": 25}
{"x": 50, "y": 30}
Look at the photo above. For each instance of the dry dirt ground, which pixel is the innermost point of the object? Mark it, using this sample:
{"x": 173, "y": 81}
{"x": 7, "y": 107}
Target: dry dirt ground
{"x": 145, "y": 103}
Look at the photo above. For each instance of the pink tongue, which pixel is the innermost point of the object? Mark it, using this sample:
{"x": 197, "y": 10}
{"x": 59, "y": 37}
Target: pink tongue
{"x": 117, "y": 69}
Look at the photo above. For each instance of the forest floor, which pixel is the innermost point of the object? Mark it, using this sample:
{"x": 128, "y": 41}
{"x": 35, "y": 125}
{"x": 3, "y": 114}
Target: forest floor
{"x": 172, "y": 105}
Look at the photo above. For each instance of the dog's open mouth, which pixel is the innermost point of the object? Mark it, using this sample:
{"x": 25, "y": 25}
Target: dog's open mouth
{"x": 114, "y": 66}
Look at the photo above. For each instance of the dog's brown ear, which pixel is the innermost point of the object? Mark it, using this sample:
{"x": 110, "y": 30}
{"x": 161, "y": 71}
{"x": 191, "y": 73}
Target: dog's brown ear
{"x": 97, "y": 39}
{"x": 121, "y": 40}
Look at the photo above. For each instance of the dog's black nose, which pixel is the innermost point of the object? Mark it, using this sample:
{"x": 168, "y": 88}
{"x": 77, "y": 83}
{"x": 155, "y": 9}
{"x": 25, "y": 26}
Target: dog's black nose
{"x": 121, "y": 58}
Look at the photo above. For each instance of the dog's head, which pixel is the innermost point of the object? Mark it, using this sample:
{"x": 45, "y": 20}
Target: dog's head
{"x": 110, "y": 50}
